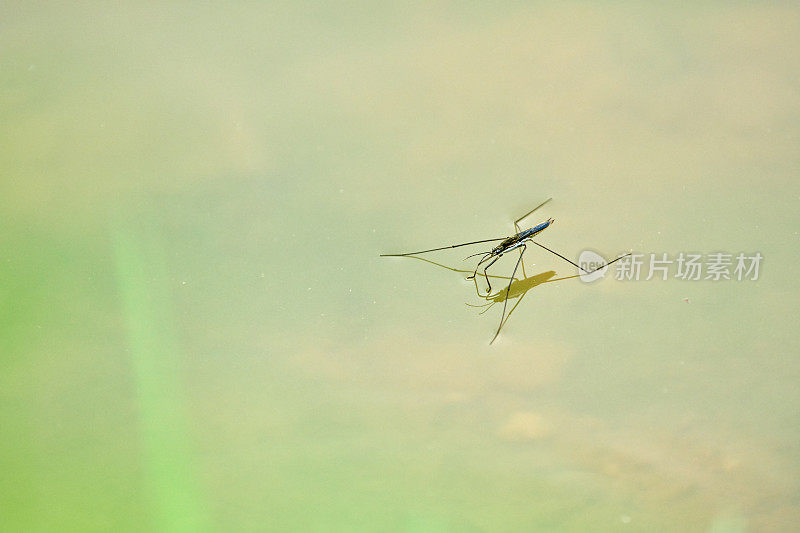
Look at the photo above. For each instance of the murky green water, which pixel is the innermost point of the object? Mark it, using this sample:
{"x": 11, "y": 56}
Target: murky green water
{"x": 197, "y": 333}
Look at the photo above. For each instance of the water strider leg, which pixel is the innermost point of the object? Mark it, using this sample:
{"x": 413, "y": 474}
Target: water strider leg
{"x": 516, "y": 222}
{"x": 442, "y": 248}
{"x": 576, "y": 265}
{"x": 475, "y": 272}
{"x": 561, "y": 256}
{"x": 486, "y": 274}
{"x": 508, "y": 291}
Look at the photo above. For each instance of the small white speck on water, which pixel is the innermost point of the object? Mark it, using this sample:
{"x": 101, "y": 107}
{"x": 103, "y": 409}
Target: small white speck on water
{"x": 373, "y": 301}
{"x": 309, "y": 288}
{"x": 349, "y": 290}
{"x": 625, "y": 519}
{"x": 341, "y": 191}
{"x": 262, "y": 274}
{"x": 373, "y": 230}
{"x": 183, "y": 283}
{"x": 31, "y": 68}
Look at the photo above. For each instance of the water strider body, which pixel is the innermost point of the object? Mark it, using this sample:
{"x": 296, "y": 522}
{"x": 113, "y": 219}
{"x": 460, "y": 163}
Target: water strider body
{"x": 510, "y": 243}
{"x": 516, "y": 240}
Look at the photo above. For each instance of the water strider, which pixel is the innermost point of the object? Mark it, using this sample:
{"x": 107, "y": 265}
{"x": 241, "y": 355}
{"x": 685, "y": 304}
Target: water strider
{"x": 519, "y": 241}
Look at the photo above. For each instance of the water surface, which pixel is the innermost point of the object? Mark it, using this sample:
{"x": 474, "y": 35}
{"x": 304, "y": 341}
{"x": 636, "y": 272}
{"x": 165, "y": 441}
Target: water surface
{"x": 197, "y": 332}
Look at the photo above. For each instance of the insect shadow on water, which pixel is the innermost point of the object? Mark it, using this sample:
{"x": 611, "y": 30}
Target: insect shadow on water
{"x": 519, "y": 241}
{"x": 517, "y": 289}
